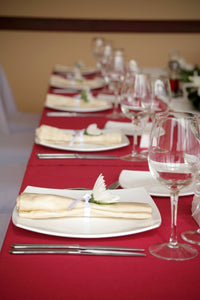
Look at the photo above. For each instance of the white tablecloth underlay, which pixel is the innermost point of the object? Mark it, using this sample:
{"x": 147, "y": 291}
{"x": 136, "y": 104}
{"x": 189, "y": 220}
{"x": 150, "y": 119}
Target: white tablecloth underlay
{"x": 11, "y": 176}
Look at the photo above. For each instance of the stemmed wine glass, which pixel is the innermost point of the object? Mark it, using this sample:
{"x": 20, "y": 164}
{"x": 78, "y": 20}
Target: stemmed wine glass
{"x": 136, "y": 104}
{"x": 97, "y": 49}
{"x": 161, "y": 97}
{"x": 174, "y": 161}
{"x": 105, "y": 58}
{"x": 114, "y": 74}
{"x": 193, "y": 236}
{"x": 161, "y": 94}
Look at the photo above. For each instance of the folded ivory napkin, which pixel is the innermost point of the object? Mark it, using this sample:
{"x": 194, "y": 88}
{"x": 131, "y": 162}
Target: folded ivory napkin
{"x": 100, "y": 203}
{"x": 92, "y": 135}
{"x": 71, "y": 69}
{"x": 69, "y": 102}
{"x": 59, "y": 81}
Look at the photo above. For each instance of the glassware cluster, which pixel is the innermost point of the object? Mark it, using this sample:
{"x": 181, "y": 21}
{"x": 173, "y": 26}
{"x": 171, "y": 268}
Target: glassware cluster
{"x": 174, "y": 145}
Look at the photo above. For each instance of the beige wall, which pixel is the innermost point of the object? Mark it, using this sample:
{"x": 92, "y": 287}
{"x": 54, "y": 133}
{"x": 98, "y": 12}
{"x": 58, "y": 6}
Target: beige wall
{"x": 111, "y": 9}
{"x": 28, "y": 57}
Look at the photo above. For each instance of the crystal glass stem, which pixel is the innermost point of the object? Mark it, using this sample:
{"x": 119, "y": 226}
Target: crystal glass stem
{"x": 135, "y": 138}
{"x": 116, "y": 101}
{"x": 174, "y": 205}
{"x": 134, "y": 149}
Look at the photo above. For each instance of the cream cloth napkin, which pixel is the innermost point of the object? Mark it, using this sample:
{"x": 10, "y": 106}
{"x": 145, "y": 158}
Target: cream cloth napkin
{"x": 50, "y": 134}
{"x": 36, "y": 206}
{"x": 71, "y": 69}
{"x": 64, "y": 101}
{"x": 59, "y": 81}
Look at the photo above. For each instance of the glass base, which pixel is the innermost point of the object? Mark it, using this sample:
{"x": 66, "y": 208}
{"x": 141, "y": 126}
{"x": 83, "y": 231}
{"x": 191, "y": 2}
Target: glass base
{"x": 144, "y": 152}
{"x": 178, "y": 252}
{"x": 115, "y": 115}
{"x": 136, "y": 157}
{"x": 191, "y": 237}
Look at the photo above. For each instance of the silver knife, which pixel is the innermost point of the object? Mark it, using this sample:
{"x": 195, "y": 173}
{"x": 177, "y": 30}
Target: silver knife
{"x": 73, "y": 114}
{"x": 65, "y": 91}
{"x": 73, "y": 246}
{"x": 74, "y": 155}
{"x": 75, "y": 251}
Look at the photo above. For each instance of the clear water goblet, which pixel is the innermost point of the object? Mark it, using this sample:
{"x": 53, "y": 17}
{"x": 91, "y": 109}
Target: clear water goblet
{"x": 115, "y": 74}
{"x": 174, "y": 161}
{"x": 193, "y": 236}
{"x": 97, "y": 49}
{"x": 105, "y": 62}
{"x": 136, "y": 104}
{"x": 161, "y": 94}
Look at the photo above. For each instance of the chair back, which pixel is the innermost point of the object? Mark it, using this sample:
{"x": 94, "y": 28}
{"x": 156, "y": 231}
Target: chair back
{"x": 4, "y": 127}
{"x": 6, "y": 95}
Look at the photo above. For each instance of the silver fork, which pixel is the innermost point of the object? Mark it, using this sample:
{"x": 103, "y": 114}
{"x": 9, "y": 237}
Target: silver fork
{"x": 112, "y": 186}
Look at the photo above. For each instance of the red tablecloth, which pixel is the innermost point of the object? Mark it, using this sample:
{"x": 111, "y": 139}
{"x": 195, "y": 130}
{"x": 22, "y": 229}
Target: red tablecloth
{"x": 94, "y": 277}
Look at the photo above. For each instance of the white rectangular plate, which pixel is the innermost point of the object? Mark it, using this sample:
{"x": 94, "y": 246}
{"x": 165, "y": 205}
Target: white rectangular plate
{"x": 86, "y": 147}
{"x": 84, "y": 70}
{"x": 91, "y": 227}
{"x": 132, "y": 179}
{"x": 81, "y": 109}
{"x": 79, "y": 86}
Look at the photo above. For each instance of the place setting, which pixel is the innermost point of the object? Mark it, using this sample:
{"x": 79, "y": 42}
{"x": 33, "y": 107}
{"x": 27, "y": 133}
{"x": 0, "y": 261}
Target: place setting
{"x": 79, "y": 66}
{"x": 96, "y": 213}
{"x": 64, "y": 83}
{"x": 83, "y": 102}
{"x": 90, "y": 139}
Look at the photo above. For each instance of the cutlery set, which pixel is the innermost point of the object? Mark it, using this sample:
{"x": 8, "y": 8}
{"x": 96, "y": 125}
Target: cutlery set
{"x": 75, "y": 249}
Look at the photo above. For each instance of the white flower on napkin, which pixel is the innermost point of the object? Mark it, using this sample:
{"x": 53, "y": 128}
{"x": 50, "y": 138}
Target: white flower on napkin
{"x": 92, "y": 129}
{"x": 79, "y": 64}
{"x": 77, "y": 74}
{"x": 101, "y": 195}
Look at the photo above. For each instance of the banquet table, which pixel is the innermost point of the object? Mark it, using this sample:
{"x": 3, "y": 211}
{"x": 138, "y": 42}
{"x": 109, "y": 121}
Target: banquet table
{"x": 61, "y": 276}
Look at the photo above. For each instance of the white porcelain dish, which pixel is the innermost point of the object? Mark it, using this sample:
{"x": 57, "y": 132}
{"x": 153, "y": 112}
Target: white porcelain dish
{"x": 63, "y": 83}
{"x": 82, "y": 147}
{"x": 85, "y": 70}
{"x": 81, "y": 109}
{"x": 91, "y": 227}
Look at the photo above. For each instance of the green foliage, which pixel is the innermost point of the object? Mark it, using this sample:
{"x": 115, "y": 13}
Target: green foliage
{"x": 98, "y": 202}
{"x": 84, "y": 96}
{"x": 194, "y": 97}
{"x": 184, "y": 74}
